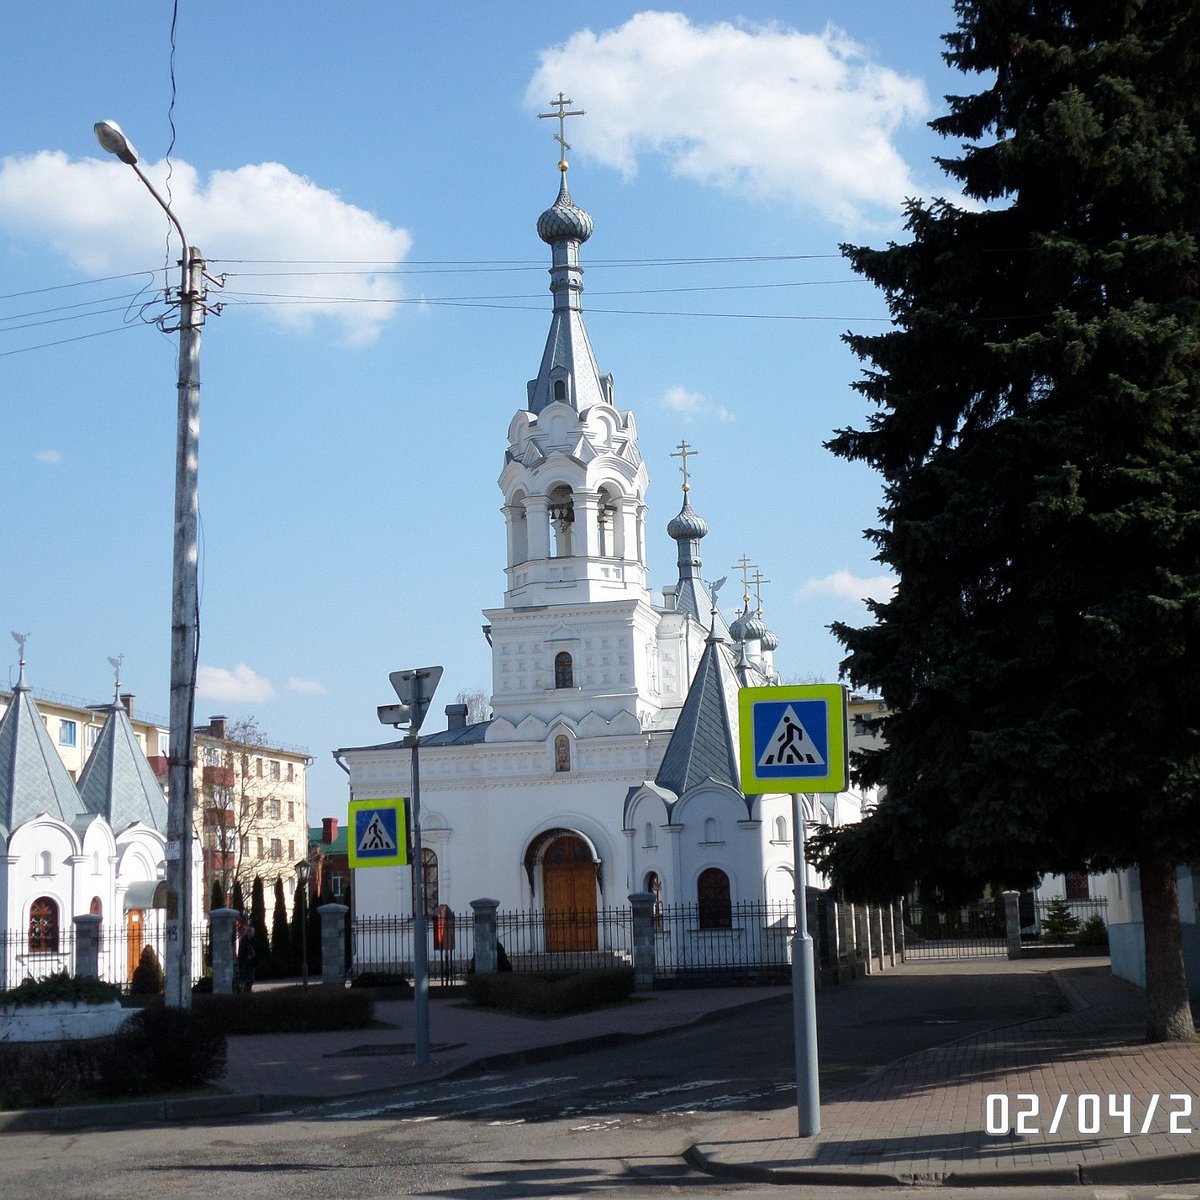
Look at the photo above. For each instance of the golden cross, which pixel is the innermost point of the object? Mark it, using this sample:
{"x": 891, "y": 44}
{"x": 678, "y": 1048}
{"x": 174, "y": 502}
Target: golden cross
{"x": 745, "y": 566}
{"x": 562, "y": 115}
{"x": 683, "y": 452}
{"x": 759, "y": 580}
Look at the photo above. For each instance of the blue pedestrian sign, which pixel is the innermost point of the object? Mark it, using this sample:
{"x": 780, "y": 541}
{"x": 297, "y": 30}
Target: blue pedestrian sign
{"x": 378, "y": 835}
{"x": 793, "y": 739}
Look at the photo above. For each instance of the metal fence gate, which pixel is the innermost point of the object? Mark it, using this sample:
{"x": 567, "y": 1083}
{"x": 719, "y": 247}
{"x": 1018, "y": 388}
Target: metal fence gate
{"x": 970, "y": 931}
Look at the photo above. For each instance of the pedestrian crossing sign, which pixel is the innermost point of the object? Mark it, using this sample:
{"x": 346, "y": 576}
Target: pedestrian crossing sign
{"x": 378, "y": 833}
{"x": 793, "y": 739}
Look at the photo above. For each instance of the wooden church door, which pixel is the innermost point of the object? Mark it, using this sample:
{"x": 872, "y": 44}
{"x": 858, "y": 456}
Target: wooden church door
{"x": 569, "y": 882}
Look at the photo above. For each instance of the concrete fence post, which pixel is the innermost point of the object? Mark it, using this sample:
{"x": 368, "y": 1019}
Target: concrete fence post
{"x": 223, "y": 931}
{"x": 1012, "y": 923}
{"x": 875, "y": 915}
{"x": 87, "y": 945}
{"x": 898, "y": 927}
{"x": 333, "y": 944}
{"x": 644, "y": 964}
{"x": 486, "y": 957}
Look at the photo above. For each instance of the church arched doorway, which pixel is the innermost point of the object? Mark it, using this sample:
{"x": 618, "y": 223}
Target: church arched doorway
{"x": 569, "y": 888}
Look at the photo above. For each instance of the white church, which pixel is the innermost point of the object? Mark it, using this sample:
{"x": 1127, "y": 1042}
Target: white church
{"x": 609, "y": 764}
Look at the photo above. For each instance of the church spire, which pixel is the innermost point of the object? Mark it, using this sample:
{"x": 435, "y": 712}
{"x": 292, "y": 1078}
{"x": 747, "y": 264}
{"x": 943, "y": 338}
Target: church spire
{"x": 687, "y": 528}
{"x": 568, "y": 371}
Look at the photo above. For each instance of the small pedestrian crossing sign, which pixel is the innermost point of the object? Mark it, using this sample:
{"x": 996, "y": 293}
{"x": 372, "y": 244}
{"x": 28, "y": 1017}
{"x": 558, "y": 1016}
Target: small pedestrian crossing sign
{"x": 793, "y": 739}
{"x": 378, "y": 833}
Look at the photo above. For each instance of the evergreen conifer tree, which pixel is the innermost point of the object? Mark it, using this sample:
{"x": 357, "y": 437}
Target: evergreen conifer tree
{"x": 216, "y": 898}
{"x": 237, "y": 901}
{"x": 281, "y": 940}
{"x": 1037, "y": 428}
{"x": 258, "y": 918}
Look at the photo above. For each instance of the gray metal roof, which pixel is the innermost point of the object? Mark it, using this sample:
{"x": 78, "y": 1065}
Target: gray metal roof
{"x": 33, "y": 779}
{"x": 117, "y": 781}
{"x": 704, "y": 743}
{"x": 466, "y": 736}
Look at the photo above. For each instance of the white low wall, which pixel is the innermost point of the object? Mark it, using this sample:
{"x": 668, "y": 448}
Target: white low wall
{"x": 60, "y": 1021}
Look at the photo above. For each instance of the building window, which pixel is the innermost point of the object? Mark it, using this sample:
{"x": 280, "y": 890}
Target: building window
{"x": 653, "y": 885}
{"x": 781, "y": 833}
{"x": 43, "y": 926}
{"x": 93, "y": 735}
{"x": 562, "y": 753}
{"x": 560, "y": 389}
{"x": 274, "y": 770}
{"x": 66, "y": 733}
{"x": 712, "y": 830}
{"x": 260, "y": 847}
{"x": 45, "y": 863}
{"x": 291, "y": 850}
{"x": 245, "y": 766}
{"x": 429, "y": 879}
{"x": 337, "y": 886}
{"x": 564, "y": 670}
{"x": 273, "y": 809}
{"x": 276, "y": 850}
{"x": 291, "y": 774}
{"x": 258, "y": 767}
{"x": 96, "y": 908}
{"x": 291, "y": 810}
{"x": 245, "y": 847}
{"x": 712, "y": 898}
{"x": 649, "y": 843}
{"x": 1076, "y": 885}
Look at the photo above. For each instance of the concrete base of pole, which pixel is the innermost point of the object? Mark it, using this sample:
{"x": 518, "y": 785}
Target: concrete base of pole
{"x": 804, "y": 1019}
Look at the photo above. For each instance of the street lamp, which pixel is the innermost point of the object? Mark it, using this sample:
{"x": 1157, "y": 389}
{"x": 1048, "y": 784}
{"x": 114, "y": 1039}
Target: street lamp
{"x": 302, "y": 871}
{"x": 184, "y": 615}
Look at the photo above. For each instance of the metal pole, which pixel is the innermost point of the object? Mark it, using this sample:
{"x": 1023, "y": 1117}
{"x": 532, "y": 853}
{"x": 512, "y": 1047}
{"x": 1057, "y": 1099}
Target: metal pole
{"x": 178, "y": 955}
{"x": 804, "y": 991}
{"x": 420, "y": 950}
{"x": 304, "y": 929}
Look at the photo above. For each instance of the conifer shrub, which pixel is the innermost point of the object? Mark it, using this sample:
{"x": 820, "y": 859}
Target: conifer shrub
{"x": 1059, "y": 924}
{"x": 148, "y": 978}
{"x": 61, "y": 987}
{"x": 1093, "y": 934}
{"x": 288, "y": 1010}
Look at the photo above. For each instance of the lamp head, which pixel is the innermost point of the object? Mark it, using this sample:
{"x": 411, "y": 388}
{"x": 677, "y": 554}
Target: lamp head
{"x": 112, "y": 139}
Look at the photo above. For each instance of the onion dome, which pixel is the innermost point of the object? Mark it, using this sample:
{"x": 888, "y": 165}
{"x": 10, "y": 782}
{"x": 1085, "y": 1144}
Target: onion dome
{"x": 769, "y": 640}
{"x": 754, "y": 628}
{"x": 737, "y": 627}
{"x": 564, "y": 220}
{"x": 687, "y": 525}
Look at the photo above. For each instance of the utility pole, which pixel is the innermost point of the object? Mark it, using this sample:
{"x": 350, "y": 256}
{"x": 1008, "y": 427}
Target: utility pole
{"x": 177, "y": 967}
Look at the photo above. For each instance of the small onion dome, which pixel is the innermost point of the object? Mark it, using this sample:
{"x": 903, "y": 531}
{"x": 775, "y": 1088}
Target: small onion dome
{"x": 687, "y": 525}
{"x": 564, "y": 220}
{"x": 753, "y": 628}
{"x": 769, "y": 640}
{"x": 737, "y": 627}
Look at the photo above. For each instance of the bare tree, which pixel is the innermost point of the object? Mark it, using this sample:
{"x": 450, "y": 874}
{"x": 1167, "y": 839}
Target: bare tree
{"x": 478, "y": 706}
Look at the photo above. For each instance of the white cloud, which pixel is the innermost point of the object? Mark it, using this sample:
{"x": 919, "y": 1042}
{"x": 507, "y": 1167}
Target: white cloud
{"x": 693, "y": 404}
{"x": 804, "y": 118}
{"x": 841, "y": 585}
{"x": 53, "y": 457}
{"x": 305, "y": 687}
{"x": 241, "y": 684}
{"x": 99, "y": 215}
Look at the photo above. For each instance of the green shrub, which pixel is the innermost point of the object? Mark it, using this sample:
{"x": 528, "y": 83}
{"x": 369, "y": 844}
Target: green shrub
{"x": 148, "y": 976}
{"x": 382, "y": 979}
{"x": 1093, "y": 933}
{"x": 1059, "y": 923}
{"x": 550, "y": 995}
{"x": 287, "y": 1010}
{"x": 60, "y": 987}
{"x": 161, "y": 1049}
{"x": 41, "y": 1074}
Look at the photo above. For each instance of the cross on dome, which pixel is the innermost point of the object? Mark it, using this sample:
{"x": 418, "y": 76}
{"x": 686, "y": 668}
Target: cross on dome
{"x": 562, "y": 115}
{"x": 683, "y": 452}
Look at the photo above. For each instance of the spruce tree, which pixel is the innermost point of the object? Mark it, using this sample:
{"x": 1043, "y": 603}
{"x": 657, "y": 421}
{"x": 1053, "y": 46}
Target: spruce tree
{"x": 1037, "y": 429}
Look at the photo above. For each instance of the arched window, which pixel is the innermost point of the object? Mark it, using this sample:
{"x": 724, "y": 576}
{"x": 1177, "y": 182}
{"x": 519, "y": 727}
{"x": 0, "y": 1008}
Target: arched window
{"x": 562, "y": 520}
{"x": 562, "y": 753}
{"x": 781, "y": 834}
{"x": 560, "y": 389}
{"x": 712, "y": 831}
{"x": 96, "y": 908}
{"x": 43, "y": 926}
{"x": 712, "y": 899}
{"x": 564, "y": 670}
{"x": 610, "y": 535}
{"x": 429, "y": 879}
{"x": 649, "y": 843}
{"x": 653, "y": 885}
{"x": 45, "y": 863}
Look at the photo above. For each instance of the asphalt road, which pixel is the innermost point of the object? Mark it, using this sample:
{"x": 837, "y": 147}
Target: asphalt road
{"x": 617, "y": 1119}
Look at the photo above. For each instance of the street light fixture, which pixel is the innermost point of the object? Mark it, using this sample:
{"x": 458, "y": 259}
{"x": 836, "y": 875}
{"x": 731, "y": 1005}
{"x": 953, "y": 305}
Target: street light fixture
{"x": 303, "y": 868}
{"x": 184, "y": 603}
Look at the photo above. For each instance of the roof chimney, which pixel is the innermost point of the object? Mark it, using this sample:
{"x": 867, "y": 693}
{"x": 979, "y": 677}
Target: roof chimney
{"x": 216, "y": 726}
{"x": 456, "y": 716}
{"x": 127, "y": 701}
{"x": 328, "y": 829}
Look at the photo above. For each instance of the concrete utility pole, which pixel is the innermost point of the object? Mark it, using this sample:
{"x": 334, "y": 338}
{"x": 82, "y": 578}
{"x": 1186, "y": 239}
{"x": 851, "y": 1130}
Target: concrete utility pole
{"x": 184, "y": 596}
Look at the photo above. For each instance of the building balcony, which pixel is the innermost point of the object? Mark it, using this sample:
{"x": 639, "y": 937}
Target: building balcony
{"x": 218, "y": 777}
{"x": 158, "y": 764}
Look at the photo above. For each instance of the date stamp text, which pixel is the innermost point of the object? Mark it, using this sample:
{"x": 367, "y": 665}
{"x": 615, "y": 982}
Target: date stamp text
{"x": 1110, "y": 1113}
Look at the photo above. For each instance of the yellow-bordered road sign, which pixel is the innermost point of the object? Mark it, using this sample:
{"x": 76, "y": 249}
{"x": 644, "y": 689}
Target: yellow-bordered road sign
{"x": 378, "y": 834}
{"x": 793, "y": 739}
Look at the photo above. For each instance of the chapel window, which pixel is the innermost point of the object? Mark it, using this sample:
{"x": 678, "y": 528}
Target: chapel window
{"x": 429, "y": 879}
{"x": 562, "y": 753}
{"x": 564, "y": 670}
{"x": 43, "y": 926}
{"x": 712, "y": 899}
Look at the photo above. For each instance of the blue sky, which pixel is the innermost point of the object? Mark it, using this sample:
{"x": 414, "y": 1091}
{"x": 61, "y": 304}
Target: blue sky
{"x": 367, "y": 177}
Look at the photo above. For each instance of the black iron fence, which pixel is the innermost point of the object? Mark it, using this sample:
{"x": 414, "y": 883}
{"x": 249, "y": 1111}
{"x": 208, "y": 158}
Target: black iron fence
{"x": 1048, "y": 916}
{"x": 969, "y": 931}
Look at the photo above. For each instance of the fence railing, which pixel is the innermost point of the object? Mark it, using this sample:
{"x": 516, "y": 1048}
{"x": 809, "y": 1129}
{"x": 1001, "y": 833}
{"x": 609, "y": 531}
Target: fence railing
{"x": 1081, "y": 910}
{"x": 118, "y": 952}
{"x": 969, "y": 931}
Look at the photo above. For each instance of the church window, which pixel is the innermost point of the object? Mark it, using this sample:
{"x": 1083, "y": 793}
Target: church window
{"x": 649, "y": 843}
{"x": 45, "y": 863}
{"x": 96, "y": 908}
{"x": 610, "y": 537}
{"x": 429, "y": 879}
{"x": 560, "y": 389}
{"x": 1076, "y": 885}
{"x": 564, "y": 670}
{"x": 712, "y": 899}
{"x": 43, "y": 926}
{"x": 781, "y": 832}
{"x": 562, "y": 753}
{"x": 712, "y": 830}
{"x": 653, "y": 885}
{"x": 562, "y": 520}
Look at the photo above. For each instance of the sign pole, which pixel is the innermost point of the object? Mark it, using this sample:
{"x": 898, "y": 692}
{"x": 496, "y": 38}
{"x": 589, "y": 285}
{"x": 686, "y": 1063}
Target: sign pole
{"x": 420, "y": 949}
{"x": 804, "y": 990}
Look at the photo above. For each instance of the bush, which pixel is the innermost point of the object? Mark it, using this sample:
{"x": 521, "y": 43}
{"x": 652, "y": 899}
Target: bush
{"x": 1059, "y": 923}
{"x": 147, "y": 975}
{"x": 40, "y": 1074}
{"x": 1093, "y": 933}
{"x": 382, "y": 979}
{"x": 287, "y": 1010}
{"x": 60, "y": 987}
{"x": 550, "y": 995}
{"x": 162, "y": 1049}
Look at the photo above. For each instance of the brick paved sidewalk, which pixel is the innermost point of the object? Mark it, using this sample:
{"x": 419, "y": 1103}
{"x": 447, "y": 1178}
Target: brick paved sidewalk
{"x": 924, "y": 1119}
